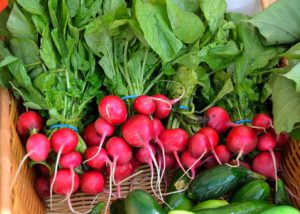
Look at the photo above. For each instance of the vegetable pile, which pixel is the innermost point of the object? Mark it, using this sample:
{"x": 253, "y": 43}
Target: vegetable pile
{"x": 110, "y": 85}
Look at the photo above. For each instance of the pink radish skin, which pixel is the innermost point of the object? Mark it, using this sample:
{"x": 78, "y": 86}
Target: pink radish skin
{"x": 143, "y": 155}
{"x": 119, "y": 150}
{"x": 241, "y": 140}
{"x": 38, "y": 147}
{"x": 174, "y": 140}
{"x": 135, "y": 163}
{"x": 158, "y": 127}
{"x": 188, "y": 161}
{"x": 42, "y": 186}
{"x": 70, "y": 160}
{"x": 99, "y": 161}
{"x": 90, "y": 136}
{"x": 210, "y": 161}
{"x": 282, "y": 139}
{"x": 218, "y": 119}
{"x": 144, "y": 105}
{"x": 28, "y": 122}
{"x": 170, "y": 161}
{"x": 262, "y": 120}
{"x": 63, "y": 182}
{"x": 65, "y": 139}
{"x": 92, "y": 182}
{"x": 262, "y": 164}
{"x": 242, "y": 163}
{"x": 163, "y": 106}
{"x": 113, "y": 110}
{"x": 198, "y": 145}
{"x": 223, "y": 153}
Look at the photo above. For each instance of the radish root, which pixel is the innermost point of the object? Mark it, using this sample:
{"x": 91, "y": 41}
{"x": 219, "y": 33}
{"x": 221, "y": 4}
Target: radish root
{"x": 99, "y": 149}
{"x": 237, "y": 159}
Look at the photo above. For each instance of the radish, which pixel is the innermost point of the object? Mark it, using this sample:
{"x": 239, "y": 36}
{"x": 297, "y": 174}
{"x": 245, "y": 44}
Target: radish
{"x": 190, "y": 162}
{"x": 42, "y": 186}
{"x": 170, "y": 161}
{"x": 223, "y": 153}
{"x": 29, "y": 122}
{"x": 262, "y": 121}
{"x": 113, "y": 110}
{"x": 43, "y": 170}
{"x": 62, "y": 141}
{"x": 97, "y": 162}
{"x": 119, "y": 150}
{"x": 266, "y": 142}
{"x": 104, "y": 129}
{"x": 90, "y": 136}
{"x": 241, "y": 140}
{"x": 198, "y": 145}
{"x": 242, "y": 163}
{"x": 262, "y": 164}
{"x": 163, "y": 106}
{"x": 282, "y": 139}
{"x": 210, "y": 161}
{"x": 92, "y": 182}
{"x": 135, "y": 163}
{"x": 218, "y": 119}
{"x": 144, "y": 105}
{"x": 70, "y": 160}
{"x": 213, "y": 140}
{"x": 174, "y": 141}
{"x": 38, "y": 148}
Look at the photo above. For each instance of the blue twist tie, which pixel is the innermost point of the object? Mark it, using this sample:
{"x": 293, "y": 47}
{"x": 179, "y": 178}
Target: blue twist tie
{"x": 184, "y": 107}
{"x": 129, "y": 97}
{"x": 55, "y": 126}
{"x": 243, "y": 121}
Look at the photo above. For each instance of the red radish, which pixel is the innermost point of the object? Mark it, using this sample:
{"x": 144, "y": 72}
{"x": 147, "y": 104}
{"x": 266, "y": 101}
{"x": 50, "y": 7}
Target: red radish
{"x": 198, "y": 145}
{"x": 38, "y": 148}
{"x": 262, "y": 164}
{"x": 144, "y": 105}
{"x": 190, "y": 162}
{"x": 43, "y": 170}
{"x": 113, "y": 110}
{"x": 241, "y": 140}
{"x": 213, "y": 140}
{"x": 119, "y": 150}
{"x": 104, "y": 129}
{"x": 42, "y": 186}
{"x": 218, "y": 119}
{"x": 223, "y": 153}
{"x": 170, "y": 161}
{"x": 135, "y": 163}
{"x": 242, "y": 163}
{"x": 174, "y": 141}
{"x": 267, "y": 142}
{"x": 210, "y": 161}
{"x": 3, "y": 5}
{"x": 92, "y": 182}
{"x": 163, "y": 106}
{"x": 70, "y": 160}
{"x": 29, "y": 122}
{"x": 99, "y": 161}
{"x": 262, "y": 120}
{"x": 282, "y": 139}
{"x": 90, "y": 136}
{"x": 158, "y": 127}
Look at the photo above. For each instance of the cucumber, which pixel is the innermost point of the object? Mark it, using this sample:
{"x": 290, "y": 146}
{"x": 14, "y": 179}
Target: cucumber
{"x": 97, "y": 209}
{"x": 281, "y": 210}
{"x": 118, "y": 206}
{"x": 219, "y": 181}
{"x": 140, "y": 202}
{"x": 249, "y": 207}
{"x": 214, "y": 203}
{"x": 281, "y": 196}
{"x": 180, "y": 212}
{"x": 178, "y": 201}
{"x": 258, "y": 190}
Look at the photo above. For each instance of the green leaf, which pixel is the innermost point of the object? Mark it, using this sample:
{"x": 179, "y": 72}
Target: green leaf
{"x": 86, "y": 11}
{"x": 213, "y": 12}
{"x": 39, "y": 22}
{"x": 285, "y": 104}
{"x": 186, "y": 26}
{"x": 278, "y": 24}
{"x": 294, "y": 75}
{"x": 111, "y": 5}
{"x": 33, "y": 7}
{"x": 81, "y": 146}
{"x": 52, "y": 7}
{"x": 73, "y": 6}
{"x": 154, "y": 23}
{"x": 293, "y": 52}
{"x": 187, "y": 5}
{"x": 97, "y": 209}
{"x": 47, "y": 51}
{"x": 107, "y": 66}
{"x": 19, "y": 26}
{"x": 3, "y": 20}
{"x": 227, "y": 88}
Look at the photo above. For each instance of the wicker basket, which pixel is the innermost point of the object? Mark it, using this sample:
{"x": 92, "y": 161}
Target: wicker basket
{"x": 22, "y": 199}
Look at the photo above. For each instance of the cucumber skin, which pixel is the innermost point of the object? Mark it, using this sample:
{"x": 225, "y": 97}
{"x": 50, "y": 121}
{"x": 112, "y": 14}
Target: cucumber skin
{"x": 249, "y": 207}
{"x": 281, "y": 196}
{"x": 219, "y": 181}
{"x": 140, "y": 202}
{"x": 283, "y": 209}
{"x": 257, "y": 190}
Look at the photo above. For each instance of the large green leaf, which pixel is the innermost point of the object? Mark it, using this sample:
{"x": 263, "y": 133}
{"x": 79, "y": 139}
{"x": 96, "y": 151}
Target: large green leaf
{"x": 286, "y": 102}
{"x": 187, "y": 5}
{"x": 279, "y": 23}
{"x": 153, "y": 20}
{"x": 186, "y": 26}
{"x": 294, "y": 75}
{"x": 34, "y": 6}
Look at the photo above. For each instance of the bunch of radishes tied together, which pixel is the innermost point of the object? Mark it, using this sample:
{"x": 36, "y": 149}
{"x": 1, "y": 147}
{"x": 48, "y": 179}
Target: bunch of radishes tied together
{"x": 142, "y": 139}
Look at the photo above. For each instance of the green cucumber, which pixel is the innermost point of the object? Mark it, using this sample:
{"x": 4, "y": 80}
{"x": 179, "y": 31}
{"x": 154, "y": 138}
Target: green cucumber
{"x": 118, "y": 206}
{"x": 140, "y": 202}
{"x": 214, "y": 203}
{"x": 219, "y": 181}
{"x": 180, "y": 212}
{"x": 281, "y": 210}
{"x": 249, "y": 207}
{"x": 281, "y": 196}
{"x": 258, "y": 190}
{"x": 97, "y": 208}
{"x": 180, "y": 200}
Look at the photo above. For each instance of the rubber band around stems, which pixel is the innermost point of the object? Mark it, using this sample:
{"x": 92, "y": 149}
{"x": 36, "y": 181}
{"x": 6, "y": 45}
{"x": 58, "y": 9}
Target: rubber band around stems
{"x": 55, "y": 126}
{"x": 243, "y": 121}
{"x": 135, "y": 96}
